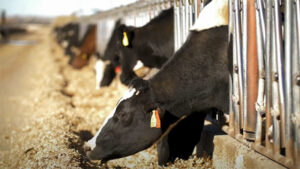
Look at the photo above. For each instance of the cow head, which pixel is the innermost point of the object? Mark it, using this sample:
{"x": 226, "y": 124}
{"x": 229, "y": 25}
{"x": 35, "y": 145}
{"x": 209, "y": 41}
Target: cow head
{"x": 122, "y": 35}
{"x": 106, "y": 71}
{"x": 127, "y": 129}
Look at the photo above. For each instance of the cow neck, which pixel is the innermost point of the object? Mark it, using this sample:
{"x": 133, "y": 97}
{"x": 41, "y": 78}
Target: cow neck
{"x": 173, "y": 85}
{"x": 157, "y": 34}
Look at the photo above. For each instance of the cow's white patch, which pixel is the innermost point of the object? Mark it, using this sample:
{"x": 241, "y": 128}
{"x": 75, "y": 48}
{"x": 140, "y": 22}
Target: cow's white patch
{"x": 213, "y": 15}
{"x": 99, "y": 68}
{"x": 71, "y": 33}
{"x": 138, "y": 65}
{"x": 75, "y": 50}
{"x": 128, "y": 94}
{"x": 64, "y": 44}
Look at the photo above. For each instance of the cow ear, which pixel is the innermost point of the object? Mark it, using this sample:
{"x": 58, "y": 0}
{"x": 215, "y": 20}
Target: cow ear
{"x": 139, "y": 84}
{"x": 118, "y": 23}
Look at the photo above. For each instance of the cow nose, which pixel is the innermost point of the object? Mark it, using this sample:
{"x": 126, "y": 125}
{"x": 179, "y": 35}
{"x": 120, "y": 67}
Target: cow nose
{"x": 86, "y": 148}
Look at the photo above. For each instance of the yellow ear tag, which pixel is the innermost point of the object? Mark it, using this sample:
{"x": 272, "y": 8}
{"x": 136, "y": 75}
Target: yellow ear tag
{"x": 155, "y": 121}
{"x": 125, "y": 41}
{"x": 83, "y": 56}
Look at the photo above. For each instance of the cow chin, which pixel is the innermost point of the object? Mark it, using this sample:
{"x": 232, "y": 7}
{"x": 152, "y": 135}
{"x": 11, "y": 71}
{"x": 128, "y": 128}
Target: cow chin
{"x": 119, "y": 148}
{"x": 97, "y": 154}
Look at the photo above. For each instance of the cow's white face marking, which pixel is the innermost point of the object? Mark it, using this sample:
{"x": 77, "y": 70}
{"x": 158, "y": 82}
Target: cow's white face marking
{"x": 99, "y": 68}
{"x": 138, "y": 65}
{"x": 64, "y": 43}
{"x": 71, "y": 33}
{"x": 213, "y": 15}
{"x": 128, "y": 94}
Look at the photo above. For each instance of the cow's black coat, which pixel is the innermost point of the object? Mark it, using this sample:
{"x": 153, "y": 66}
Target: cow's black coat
{"x": 152, "y": 44}
{"x": 193, "y": 81}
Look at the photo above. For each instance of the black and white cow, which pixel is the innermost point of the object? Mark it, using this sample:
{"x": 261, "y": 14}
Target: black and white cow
{"x": 151, "y": 44}
{"x": 67, "y": 36}
{"x": 194, "y": 81}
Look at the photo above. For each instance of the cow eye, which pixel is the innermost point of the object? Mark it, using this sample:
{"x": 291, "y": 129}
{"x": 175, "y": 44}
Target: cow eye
{"x": 126, "y": 118}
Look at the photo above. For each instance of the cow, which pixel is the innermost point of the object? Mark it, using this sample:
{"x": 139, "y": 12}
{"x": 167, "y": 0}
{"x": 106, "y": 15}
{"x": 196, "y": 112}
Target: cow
{"x": 151, "y": 44}
{"x": 193, "y": 81}
{"x": 67, "y": 36}
{"x": 78, "y": 41}
{"x": 84, "y": 49}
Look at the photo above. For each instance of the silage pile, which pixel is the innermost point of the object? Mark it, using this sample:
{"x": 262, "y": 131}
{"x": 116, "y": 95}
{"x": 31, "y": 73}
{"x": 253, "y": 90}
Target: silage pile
{"x": 64, "y": 103}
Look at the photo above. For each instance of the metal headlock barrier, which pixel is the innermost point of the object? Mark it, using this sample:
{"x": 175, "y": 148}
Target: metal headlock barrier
{"x": 185, "y": 14}
{"x": 265, "y": 96}
{"x": 265, "y": 83}
{"x": 141, "y": 12}
{"x": 134, "y": 14}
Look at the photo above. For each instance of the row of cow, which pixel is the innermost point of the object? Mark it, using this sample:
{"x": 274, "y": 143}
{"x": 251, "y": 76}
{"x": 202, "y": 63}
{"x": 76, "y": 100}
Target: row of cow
{"x": 171, "y": 106}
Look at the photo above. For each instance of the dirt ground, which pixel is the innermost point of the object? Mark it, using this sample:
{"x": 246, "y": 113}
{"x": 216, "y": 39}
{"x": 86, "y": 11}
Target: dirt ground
{"x": 46, "y": 107}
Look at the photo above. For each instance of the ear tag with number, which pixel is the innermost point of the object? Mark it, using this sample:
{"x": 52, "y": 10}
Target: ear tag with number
{"x": 155, "y": 121}
{"x": 125, "y": 41}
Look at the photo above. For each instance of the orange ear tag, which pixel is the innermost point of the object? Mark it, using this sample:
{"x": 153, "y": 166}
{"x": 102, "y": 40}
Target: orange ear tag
{"x": 117, "y": 69}
{"x": 155, "y": 121}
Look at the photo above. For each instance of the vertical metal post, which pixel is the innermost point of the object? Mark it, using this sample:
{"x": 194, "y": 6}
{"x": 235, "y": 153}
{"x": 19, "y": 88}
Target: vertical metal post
{"x": 252, "y": 72}
{"x": 260, "y": 106}
{"x": 296, "y": 88}
{"x": 239, "y": 57}
{"x": 274, "y": 136}
{"x": 187, "y": 18}
{"x": 278, "y": 40}
{"x": 288, "y": 76}
{"x": 260, "y": 8}
{"x": 230, "y": 39}
{"x": 195, "y": 8}
{"x": 236, "y": 95}
{"x": 177, "y": 24}
{"x": 245, "y": 52}
{"x": 182, "y": 21}
{"x": 191, "y": 19}
{"x": 268, "y": 47}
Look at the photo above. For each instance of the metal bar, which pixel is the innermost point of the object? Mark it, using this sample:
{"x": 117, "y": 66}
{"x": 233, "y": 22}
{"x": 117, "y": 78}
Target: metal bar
{"x": 252, "y": 74}
{"x": 245, "y": 52}
{"x": 191, "y": 19}
{"x": 177, "y": 27}
{"x": 259, "y": 105}
{"x": 278, "y": 41}
{"x": 182, "y": 21}
{"x": 296, "y": 88}
{"x": 274, "y": 131}
{"x": 230, "y": 40}
{"x": 239, "y": 56}
{"x": 187, "y": 24}
{"x": 288, "y": 76}
{"x": 235, "y": 96}
{"x": 261, "y": 12}
{"x": 195, "y": 9}
{"x": 268, "y": 47}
